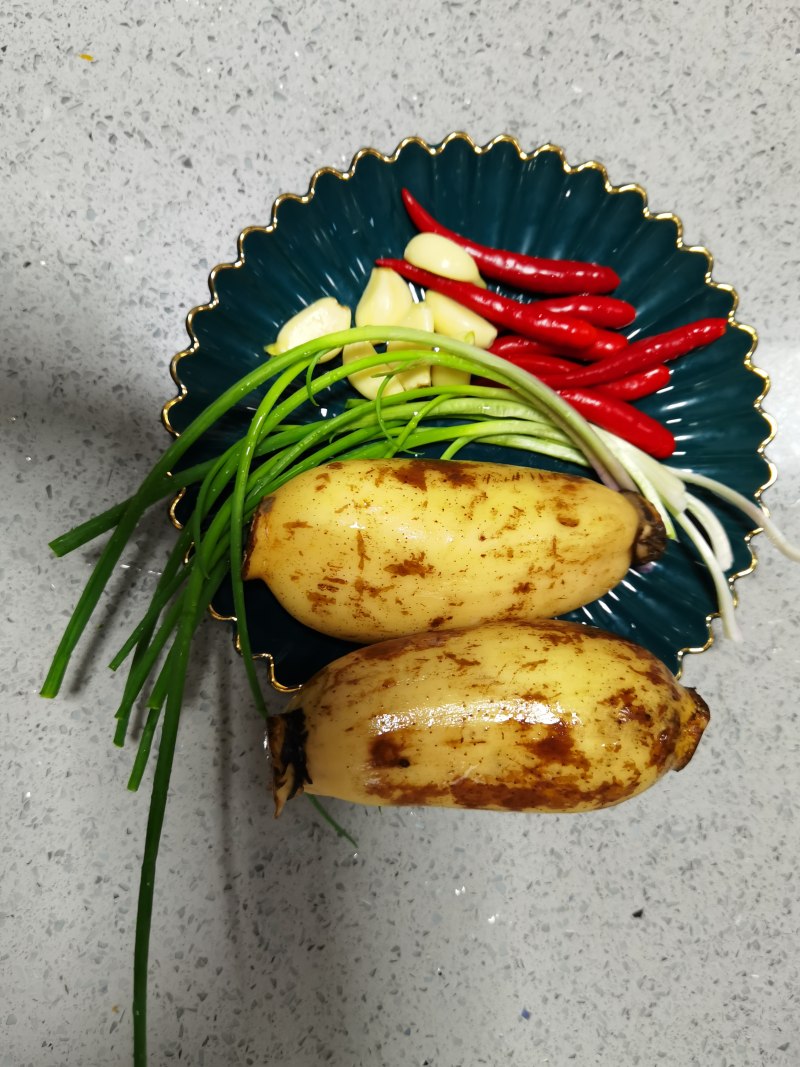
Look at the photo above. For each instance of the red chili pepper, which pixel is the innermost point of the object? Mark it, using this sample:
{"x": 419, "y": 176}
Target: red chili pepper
{"x": 622, "y": 419}
{"x": 541, "y": 361}
{"x": 607, "y": 344}
{"x": 557, "y": 330}
{"x": 635, "y": 386}
{"x": 544, "y": 366}
{"x": 641, "y": 355}
{"x": 512, "y": 344}
{"x": 525, "y": 272}
{"x": 599, "y": 310}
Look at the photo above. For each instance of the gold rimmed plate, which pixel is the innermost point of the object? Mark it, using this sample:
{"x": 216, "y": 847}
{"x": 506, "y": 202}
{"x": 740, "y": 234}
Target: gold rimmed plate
{"x": 324, "y": 243}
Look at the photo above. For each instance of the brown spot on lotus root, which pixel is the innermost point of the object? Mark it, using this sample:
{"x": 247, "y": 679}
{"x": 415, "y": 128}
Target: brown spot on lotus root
{"x": 629, "y": 707}
{"x": 319, "y": 600}
{"x": 386, "y": 750}
{"x": 461, "y": 661}
{"x": 563, "y": 793}
{"x": 663, "y": 747}
{"x": 361, "y": 548}
{"x": 415, "y": 565}
{"x": 558, "y": 747}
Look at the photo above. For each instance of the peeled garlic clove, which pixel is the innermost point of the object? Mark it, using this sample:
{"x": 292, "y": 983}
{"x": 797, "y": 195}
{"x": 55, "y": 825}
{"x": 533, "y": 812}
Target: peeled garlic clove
{"x": 385, "y": 300}
{"x": 445, "y": 376}
{"x": 444, "y": 257}
{"x": 418, "y": 317}
{"x": 454, "y": 320}
{"x": 368, "y": 382}
{"x": 415, "y": 377}
{"x": 323, "y": 316}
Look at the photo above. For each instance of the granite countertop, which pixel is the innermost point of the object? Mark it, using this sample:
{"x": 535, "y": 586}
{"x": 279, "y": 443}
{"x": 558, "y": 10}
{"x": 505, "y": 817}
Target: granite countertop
{"x": 137, "y": 141}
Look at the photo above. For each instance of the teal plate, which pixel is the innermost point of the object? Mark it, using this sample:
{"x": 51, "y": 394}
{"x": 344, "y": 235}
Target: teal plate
{"x": 324, "y": 244}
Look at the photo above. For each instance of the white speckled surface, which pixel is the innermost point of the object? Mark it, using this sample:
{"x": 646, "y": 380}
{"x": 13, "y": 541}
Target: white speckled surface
{"x": 661, "y": 932}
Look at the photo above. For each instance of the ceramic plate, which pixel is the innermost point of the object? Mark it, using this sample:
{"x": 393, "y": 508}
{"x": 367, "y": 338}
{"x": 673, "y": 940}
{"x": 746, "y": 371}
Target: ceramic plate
{"x": 324, "y": 244}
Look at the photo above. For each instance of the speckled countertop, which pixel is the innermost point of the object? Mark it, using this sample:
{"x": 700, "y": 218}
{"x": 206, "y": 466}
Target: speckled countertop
{"x": 661, "y": 932}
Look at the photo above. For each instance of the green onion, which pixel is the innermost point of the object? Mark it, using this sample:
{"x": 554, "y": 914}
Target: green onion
{"x": 519, "y": 413}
